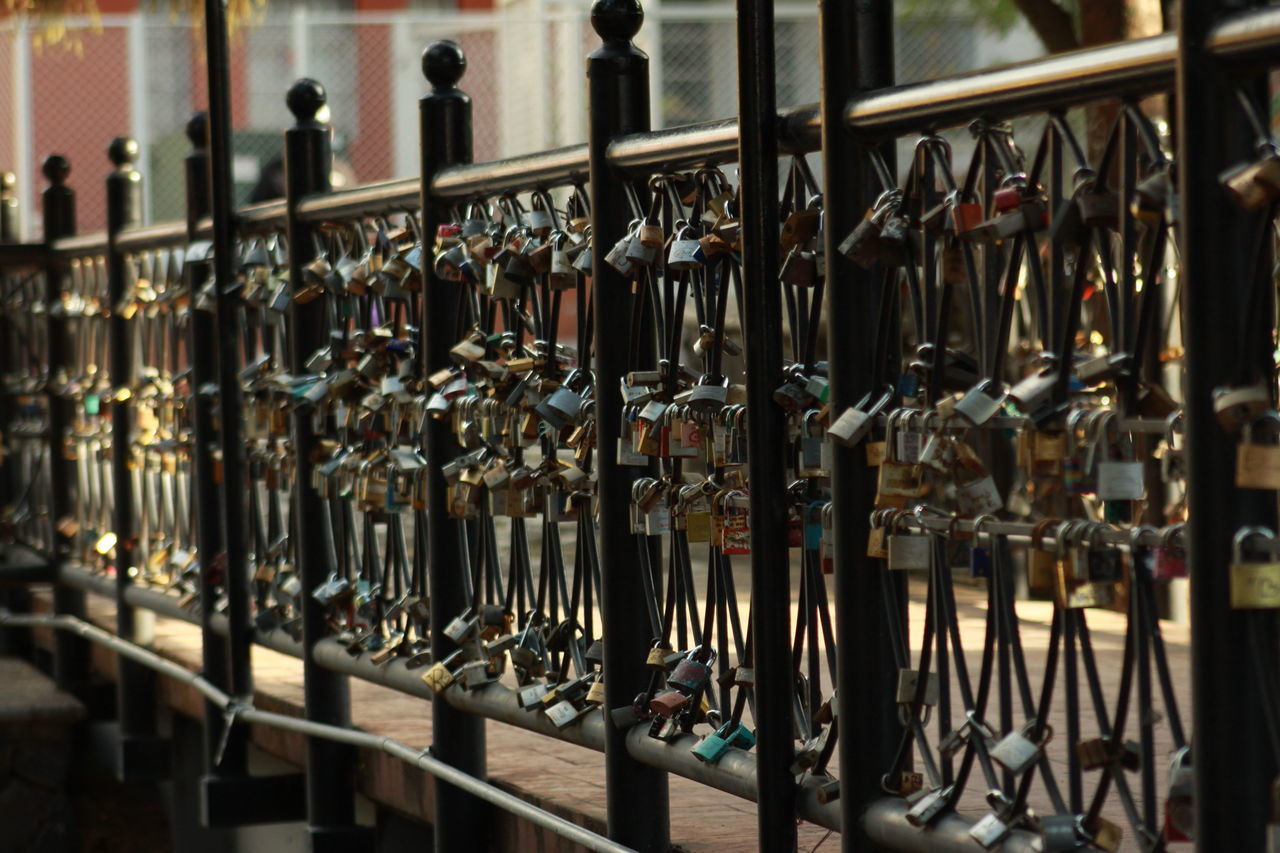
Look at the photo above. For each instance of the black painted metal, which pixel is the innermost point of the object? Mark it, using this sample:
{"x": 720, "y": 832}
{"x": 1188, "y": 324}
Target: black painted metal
{"x": 458, "y": 739}
{"x": 140, "y": 750}
{"x": 204, "y": 378}
{"x": 762, "y": 339}
{"x": 851, "y": 309}
{"x": 618, "y": 94}
{"x": 58, "y": 206}
{"x": 1226, "y": 731}
{"x": 330, "y": 802}
{"x": 232, "y": 558}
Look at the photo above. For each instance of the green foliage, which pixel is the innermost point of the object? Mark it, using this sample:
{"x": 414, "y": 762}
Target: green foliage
{"x": 999, "y": 16}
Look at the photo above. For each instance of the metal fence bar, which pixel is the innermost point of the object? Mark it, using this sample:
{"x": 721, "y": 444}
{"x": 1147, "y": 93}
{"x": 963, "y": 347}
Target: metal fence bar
{"x": 618, "y": 91}
{"x": 142, "y": 755}
{"x": 1226, "y": 731}
{"x": 762, "y": 343}
{"x": 458, "y": 739}
{"x": 58, "y": 206}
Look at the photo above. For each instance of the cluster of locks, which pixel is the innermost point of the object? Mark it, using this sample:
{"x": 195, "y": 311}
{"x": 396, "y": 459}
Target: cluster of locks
{"x": 983, "y": 436}
{"x": 521, "y": 410}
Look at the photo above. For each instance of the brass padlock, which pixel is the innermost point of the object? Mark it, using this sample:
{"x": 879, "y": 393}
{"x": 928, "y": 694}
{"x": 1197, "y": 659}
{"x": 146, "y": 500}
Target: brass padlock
{"x": 1254, "y": 584}
{"x": 1258, "y": 464}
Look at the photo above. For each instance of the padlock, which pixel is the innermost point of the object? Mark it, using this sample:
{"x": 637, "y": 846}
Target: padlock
{"x": 668, "y": 703}
{"x": 1258, "y": 464}
{"x": 908, "y": 681}
{"x": 1255, "y": 184}
{"x": 1059, "y": 833}
{"x": 691, "y": 674}
{"x": 1254, "y": 584}
{"x": 1120, "y": 480}
{"x": 562, "y": 713}
{"x": 853, "y": 425}
{"x": 1016, "y": 752}
{"x": 1033, "y": 391}
{"x": 981, "y": 402}
{"x": 685, "y": 252}
{"x": 1179, "y": 810}
{"x": 1236, "y": 407}
{"x": 910, "y": 551}
{"x": 709, "y": 395}
{"x": 926, "y": 806}
{"x": 989, "y": 831}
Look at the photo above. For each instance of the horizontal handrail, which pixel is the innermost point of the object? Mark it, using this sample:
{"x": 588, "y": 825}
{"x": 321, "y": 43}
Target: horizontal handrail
{"x": 734, "y": 773}
{"x": 242, "y": 709}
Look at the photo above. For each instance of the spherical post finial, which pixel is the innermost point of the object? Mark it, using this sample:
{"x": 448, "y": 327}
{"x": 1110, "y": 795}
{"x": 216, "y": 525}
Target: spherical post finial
{"x": 198, "y": 130}
{"x": 56, "y": 169}
{"x": 444, "y": 63}
{"x": 617, "y": 20}
{"x": 305, "y": 99}
{"x": 123, "y": 151}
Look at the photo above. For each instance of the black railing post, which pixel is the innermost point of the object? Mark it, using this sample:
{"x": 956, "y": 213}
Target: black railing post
{"x": 330, "y": 766}
{"x": 204, "y": 439}
{"x": 229, "y": 795}
{"x": 58, "y": 203}
{"x": 234, "y": 567}
{"x": 142, "y": 755}
{"x": 618, "y": 100}
{"x": 868, "y": 726}
{"x": 457, "y": 737}
{"x": 766, "y": 430}
{"x": 1233, "y": 776}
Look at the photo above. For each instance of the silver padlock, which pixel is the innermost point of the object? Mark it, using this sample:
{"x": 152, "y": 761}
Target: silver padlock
{"x": 981, "y": 402}
{"x": 910, "y": 551}
{"x": 530, "y": 696}
{"x": 460, "y": 627}
{"x": 908, "y": 681}
{"x": 854, "y": 423}
{"x": 1120, "y": 480}
{"x": 617, "y": 257}
{"x": 684, "y": 253}
{"x": 709, "y": 395}
{"x": 562, "y": 713}
{"x": 1030, "y": 394}
{"x": 1016, "y": 751}
{"x": 989, "y": 831}
{"x": 1058, "y": 833}
{"x": 927, "y": 805}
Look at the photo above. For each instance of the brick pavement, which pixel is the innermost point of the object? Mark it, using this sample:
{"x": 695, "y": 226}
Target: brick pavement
{"x": 570, "y": 780}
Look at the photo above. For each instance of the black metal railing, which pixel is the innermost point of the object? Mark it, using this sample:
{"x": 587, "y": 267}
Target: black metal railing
{"x": 506, "y": 436}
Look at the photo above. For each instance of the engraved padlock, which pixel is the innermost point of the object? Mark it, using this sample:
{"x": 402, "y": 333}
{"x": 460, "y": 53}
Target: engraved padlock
{"x": 1255, "y": 584}
{"x": 709, "y": 395}
{"x": 1258, "y": 462}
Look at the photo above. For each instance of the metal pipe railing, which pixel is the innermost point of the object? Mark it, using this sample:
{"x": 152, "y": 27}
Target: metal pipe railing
{"x": 240, "y": 709}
